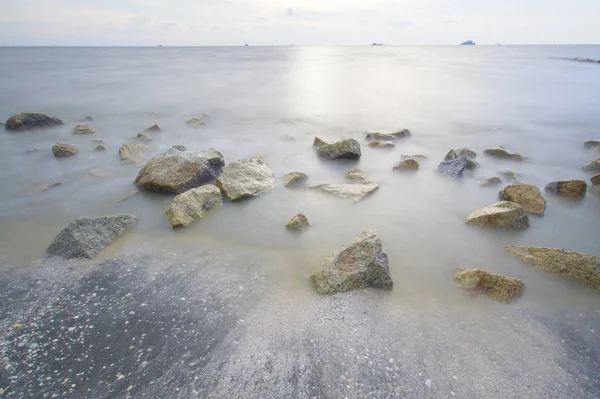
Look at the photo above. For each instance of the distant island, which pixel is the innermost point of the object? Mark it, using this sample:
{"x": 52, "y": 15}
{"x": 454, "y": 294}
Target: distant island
{"x": 468, "y": 43}
{"x": 377, "y": 44}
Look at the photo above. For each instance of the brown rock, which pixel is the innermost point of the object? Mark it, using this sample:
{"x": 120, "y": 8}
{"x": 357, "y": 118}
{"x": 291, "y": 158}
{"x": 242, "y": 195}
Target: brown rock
{"x": 571, "y": 188}
{"x": 381, "y": 144}
{"x": 408, "y": 164}
{"x": 298, "y": 223}
{"x": 491, "y": 181}
{"x": 132, "y": 152}
{"x": 497, "y": 287}
{"x": 64, "y": 150}
{"x": 153, "y": 129}
{"x": 84, "y": 129}
{"x": 595, "y": 180}
{"x": 526, "y": 195}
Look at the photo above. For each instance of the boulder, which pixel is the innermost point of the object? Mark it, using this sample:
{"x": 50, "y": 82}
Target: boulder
{"x": 576, "y": 266}
{"x": 344, "y": 149}
{"x": 418, "y": 157}
{"x": 193, "y": 204}
{"x": 319, "y": 142}
{"x": 83, "y": 129}
{"x": 593, "y": 166}
{"x": 501, "y": 214}
{"x": 570, "y": 188}
{"x": 353, "y": 191}
{"x": 375, "y": 136}
{"x": 381, "y": 144}
{"x": 64, "y": 150}
{"x": 85, "y": 237}
{"x": 356, "y": 174}
{"x": 491, "y": 181}
{"x": 178, "y": 171}
{"x": 153, "y": 129}
{"x": 101, "y": 148}
{"x": 592, "y": 144}
{"x": 454, "y": 168}
{"x": 246, "y": 178}
{"x": 595, "y": 180}
{"x": 359, "y": 265}
{"x": 526, "y": 195}
{"x": 497, "y": 287}
{"x": 500, "y": 152}
{"x": 133, "y": 152}
{"x": 459, "y": 153}
{"x": 143, "y": 137}
{"x": 298, "y": 223}
{"x": 294, "y": 179}
{"x": 27, "y": 121}
{"x": 408, "y": 164}
{"x": 48, "y": 186}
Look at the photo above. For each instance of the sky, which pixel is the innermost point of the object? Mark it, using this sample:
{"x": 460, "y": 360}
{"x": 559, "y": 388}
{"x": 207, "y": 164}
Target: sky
{"x": 299, "y": 22}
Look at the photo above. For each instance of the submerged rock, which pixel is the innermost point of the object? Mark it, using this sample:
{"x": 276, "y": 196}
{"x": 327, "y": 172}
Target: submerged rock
{"x": 85, "y": 237}
{"x": 359, "y": 265}
{"x": 349, "y": 191}
{"x": 576, "y": 266}
{"x": 571, "y": 188}
{"x": 375, "y": 136}
{"x": 298, "y": 223}
{"x": 132, "y": 152}
{"x": 500, "y": 214}
{"x": 320, "y": 141}
{"x": 179, "y": 147}
{"x": 491, "y": 181}
{"x": 592, "y": 144}
{"x": 153, "y": 129}
{"x": 408, "y": 164}
{"x": 401, "y": 133}
{"x": 512, "y": 176}
{"x": 193, "y": 204}
{"x": 526, "y": 195}
{"x": 593, "y": 166}
{"x": 143, "y": 137}
{"x": 83, "y": 129}
{"x": 454, "y": 168}
{"x": 28, "y": 120}
{"x": 177, "y": 171}
{"x": 97, "y": 173}
{"x": 381, "y": 144}
{"x": 197, "y": 122}
{"x": 87, "y": 118}
{"x": 294, "y": 179}
{"x": 356, "y": 174}
{"x": 500, "y": 152}
{"x": 459, "y": 153}
{"x": 64, "y": 150}
{"x": 595, "y": 180}
{"x": 344, "y": 149}
{"x": 246, "y": 178}
{"x": 418, "y": 157}
{"x": 497, "y": 287}
{"x": 44, "y": 187}
{"x": 101, "y": 148}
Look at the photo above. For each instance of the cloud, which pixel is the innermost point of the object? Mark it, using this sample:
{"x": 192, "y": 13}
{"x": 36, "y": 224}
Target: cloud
{"x": 449, "y": 21}
{"x": 401, "y": 23}
{"x": 291, "y": 12}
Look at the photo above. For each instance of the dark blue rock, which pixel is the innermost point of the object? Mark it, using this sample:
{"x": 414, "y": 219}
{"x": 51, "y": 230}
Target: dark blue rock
{"x": 468, "y": 43}
{"x": 454, "y": 168}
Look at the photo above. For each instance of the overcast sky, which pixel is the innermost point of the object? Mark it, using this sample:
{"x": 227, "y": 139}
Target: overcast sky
{"x": 300, "y": 22}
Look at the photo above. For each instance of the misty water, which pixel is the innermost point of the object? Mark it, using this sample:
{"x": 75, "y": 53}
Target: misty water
{"x": 272, "y": 102}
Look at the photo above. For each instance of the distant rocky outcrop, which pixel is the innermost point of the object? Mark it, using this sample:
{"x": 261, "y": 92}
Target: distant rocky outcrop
{"x": 294, "y": 179}
{"x": 298, "y": 223}
{"x": 497, "y": 287}
{"x": 526, "y": 195}
{"x": 501, "y": 214}
{"x": 193, "y": 204}
{"x": 344, "y": 149}
{"x": 64, "y": 150}
{"x": 348, "y": 191}
{"x": 570, "y": 188}
{"x": 453, "y": 168}
{"x": 28, "y": 121}
{"x": 246, "y": 178}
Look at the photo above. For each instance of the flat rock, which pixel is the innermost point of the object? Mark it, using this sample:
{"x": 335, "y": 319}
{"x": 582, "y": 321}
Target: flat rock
{"x": 570, "y": 188}
{"x": 526, "y": 195}
{"x": 593, "y": 166}
{"x": 381, "y": 144}
{"x": 85, "y": 237}
{"x": 133, "y": 152}
{"x": 178, "y": 171}
{"x": 453, "y": 168}
{"x": 359, "y": 265}
{"x": 496, "y": 286}
{"x": 459, "y": 153}
{"x": 376, "y": 136}
{"x": 294, "y": 179}
{"x": 500, "y": 152}
{"x": 595, "y": 180}
{"x": 501, "y": 214}
{"x": 83, "y": 129}
{"x": 356, "y": 174}
{"x": 246, "y": 178}
{"x": 28, "y": 121}
{"x": 408, "y": 164}
{"x": 143, "y": 137}
{"x": 298, "y": 223}
{"x": 576, "y": 266}
{"x": 64, "y": 150}
{"x": 320, "y": 141}
{"x": 344, "y": 149}
{"x": 193, "y": 204}
{"x": 348, "y": 191}
{"x": 491, "y": 181}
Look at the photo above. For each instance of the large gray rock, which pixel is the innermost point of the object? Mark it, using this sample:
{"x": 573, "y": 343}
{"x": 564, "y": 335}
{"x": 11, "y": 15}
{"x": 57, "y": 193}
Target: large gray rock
{"x": 344, "y": 149}
{"x": 246, "y": 178}
{"x": 501, "y": 214}
{"x": 193, "y": 204}
{"x": 359, "y": 265}
{"x": 453, "y": 168}
{"x": 85, "y": 237}
{"x": 177, "y": 171}
{"x": 349, "y": 191}
{"x": 28, "y": 120}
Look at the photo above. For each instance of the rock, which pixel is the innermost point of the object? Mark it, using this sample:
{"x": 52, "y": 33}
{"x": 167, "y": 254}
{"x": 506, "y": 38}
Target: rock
{"x": 197, "y": 122}
{"x": 526, "y": 195}
{"x": 85, "y": 237}
{"x": 97, "y": 140}
{"x": 468, "y": 43}
{"x": 401, "y": 133}
{"x": 178, "y": 171}
{"x": 375, "y": 136}
{"x": 382, "y": 144}
{"x": 454, "y": 168}
{"x": 592, "y": 144}
{"x": 64, "y": 150}
{"x": 500, "y": 152}
{"x": 44, "y": 187}
{"x": 193, "y": 204}
{"x": 131, "y": 194}
{"x": 83, "y": 129}
{"x": 459, "y": 153}
{"x": 294, "y": 179}
{"x": 595, "y": 180}
{"x": 418, "y": 157}
{"x": 153, "y": 129}
{"x": 143, "y": 137}
{"x": 576, "y": 266}
{"x": 101, "y": 148}
{"x": 359, "y": 265}
{"x": 593, "y": 166}
{"x": 319, "y": 142}
{"x": 501, "y": 214}
{"x": 298, "y": 223}
{"x": 87, "y": 119}
{"x": 2, "y": 124}
{"x": 354, "y": 191}
{"x": 179, "y": 147}
{"x": 97, "y": 173}
{"x": 132, "y": 152}
{"x": 491, "y": 181}
{"x": 344, "y": 149}
{"x": 356, "y": 174}
{"x": 571, "y": 188}
{"x": 497, "y": 287}
{"x": 512, "y": 176}
{"x": 28, "y": 121}
{"x": 246, "y": 178}
{"x": 409, "y": 164}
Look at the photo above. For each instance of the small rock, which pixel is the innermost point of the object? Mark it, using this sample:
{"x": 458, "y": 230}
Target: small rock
{"x": 101, "y": 148}
{"x": 500, "y": 152}
{"x": 454, "y": 168}
{"x": 193, "y": 204}
{"x": 197, "y": 122}
{"x": 64, "y": 150}
{"x": 595, "y": 180}
{"x": 491, "y": 181}
{"x": 381, "y": 144}
{"x": 344, "y": 149}
{"x": 83, "y": 129}
{"x": 143, "y": 137}
{"x": 44, "y": 187}
{"x": 512, "y": 176}
{"x": 131, "y": 194}
{"x": 356, "y": 174}
{"x": 28, "y": 121}
{"x": 497, "y": 287}
{"x": 593, "y": 166}
{"x": 354, "y": 192}
{"x": 408, "y": 164}
{"x": 153, "y": 129}
{"x": 97, "y": 173}
{"x": 459, "y": 153}
{"x": 132, "y": 152}
{"x": 87, "y": 119}
{"x": 246, "y": 178}
{"x": 418, "y": 157}
{"x": 319, "y": 142}
{"x": 97, "y": 140}
{"x": 501, "y": 214}
{"x": 526, "y": 195}
{"x": 571, "y": 188}
{"x": 294, "y": 179}
{"x": 375, "y": 136}
{"x": 401, "y": 133}
{"x": 180, "y": 147}
{"x": 298, "y": 223}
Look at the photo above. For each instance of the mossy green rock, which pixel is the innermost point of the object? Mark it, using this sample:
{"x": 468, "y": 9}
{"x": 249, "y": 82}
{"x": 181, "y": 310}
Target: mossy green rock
{"x": 344, "y": 149}
{"x": 497, "y": 287}
{"x": 28, "y": 121}
{"x": 595, "y": 180}
{"x": 193, "y": 204}
{"x": 500, "y": 152}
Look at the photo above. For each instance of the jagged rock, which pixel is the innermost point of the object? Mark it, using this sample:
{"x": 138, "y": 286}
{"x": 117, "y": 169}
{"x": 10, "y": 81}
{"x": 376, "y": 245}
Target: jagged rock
{"x": 491, "y": 181}
{"x": 356, "y": 174}
{"x": 143, "y": 137}
{"x": 344, "y": 149}
{"x": 193, "y": 204}
{"x": 576, "y": 266}
{"x": 319, "y": 142}
{"x": 418, "y": 157}
{"x": 294, "y": 179}
{"x": 101, "y": 148}
{"x": 454, "y": 168}
{"x": 28, "y": 120}
{"x": 177, "y": 171}
{"x": 246, "y": 178}
{"x": 83, "y": 129}
{"x": 501, "y": 214}
{"x": 595, "y": 180}
{"x": 526, "y": 195}
{"x": 500, "y": 152}
{"x": 64, "y": 150}
{"x": 408, "y": 164}
{"x": 153, "y": 129}
{"x": 497, "y": 287}
{"x": 44, "y": 187}
{"x": 593, "y": 166}
{"x": 571, "y": 188}
{"x": 133, "y": 152}
{"x": 381, "y": 144}
{"x": 298, "y": 223}
{"x": 459, "y": 153}
{"x": 85, "y": 237}
{"x": 359, "y": 265}
{"x": 592, "y": 144}
{"x": 354, "y": 191}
